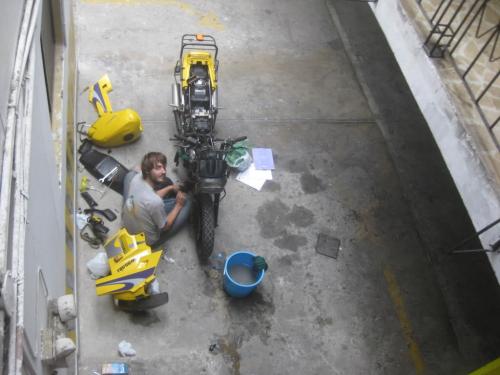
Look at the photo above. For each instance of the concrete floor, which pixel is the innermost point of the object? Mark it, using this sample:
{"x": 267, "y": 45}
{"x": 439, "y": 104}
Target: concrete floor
{"x": 286, "y": 83}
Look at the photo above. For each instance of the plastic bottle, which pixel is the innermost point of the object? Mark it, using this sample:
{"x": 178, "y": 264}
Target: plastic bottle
{"x": 218, "y": 260}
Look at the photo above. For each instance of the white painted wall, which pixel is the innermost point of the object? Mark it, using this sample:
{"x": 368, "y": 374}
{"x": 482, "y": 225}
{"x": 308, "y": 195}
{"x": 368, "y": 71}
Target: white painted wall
{"x": 44, "y": 260}
{"x": 44, "y": 253}
{"x": 478, "y": 193}
{"x": 10, "y": 21}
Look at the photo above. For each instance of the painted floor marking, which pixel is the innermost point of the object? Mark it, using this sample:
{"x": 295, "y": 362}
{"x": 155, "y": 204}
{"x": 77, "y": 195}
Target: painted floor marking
{"x": 404, "y": 321}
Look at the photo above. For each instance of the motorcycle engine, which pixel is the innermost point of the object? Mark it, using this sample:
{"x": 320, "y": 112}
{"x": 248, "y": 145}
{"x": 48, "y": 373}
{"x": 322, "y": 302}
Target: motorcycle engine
{"x": 201, "y": 124}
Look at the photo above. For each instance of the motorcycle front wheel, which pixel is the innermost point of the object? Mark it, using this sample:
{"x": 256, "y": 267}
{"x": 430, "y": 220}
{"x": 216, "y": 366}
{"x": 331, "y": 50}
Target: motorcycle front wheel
{"x": 205, "y": 226}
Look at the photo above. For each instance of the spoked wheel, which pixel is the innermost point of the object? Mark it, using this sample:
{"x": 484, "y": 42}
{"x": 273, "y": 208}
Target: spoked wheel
{"x": 205, "y": 226}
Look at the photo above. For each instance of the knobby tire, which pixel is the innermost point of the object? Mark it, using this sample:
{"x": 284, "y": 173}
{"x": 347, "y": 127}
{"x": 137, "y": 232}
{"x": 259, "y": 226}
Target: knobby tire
{"x": 205, "y": 237}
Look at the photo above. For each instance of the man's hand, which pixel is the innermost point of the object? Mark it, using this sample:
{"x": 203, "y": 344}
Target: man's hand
{"x": 180, "y": 198}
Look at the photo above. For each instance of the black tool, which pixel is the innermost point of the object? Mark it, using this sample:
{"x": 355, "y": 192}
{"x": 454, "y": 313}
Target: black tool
{"x": 107, "y": 213}
{"x": 98, "y": 228}
{"x": 88, "y": 198}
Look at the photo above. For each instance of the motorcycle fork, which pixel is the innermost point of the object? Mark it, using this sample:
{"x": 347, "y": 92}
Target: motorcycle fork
{"x": 216, "y": 209}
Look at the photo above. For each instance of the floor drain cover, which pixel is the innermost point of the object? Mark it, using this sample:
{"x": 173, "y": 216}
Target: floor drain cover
{"x": 328, "y": 245}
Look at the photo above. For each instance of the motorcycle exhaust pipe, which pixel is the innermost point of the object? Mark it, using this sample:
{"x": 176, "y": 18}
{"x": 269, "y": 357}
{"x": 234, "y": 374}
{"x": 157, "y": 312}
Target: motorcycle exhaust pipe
{"x": 215, "y": 99}
{"x": 175, "y": 95}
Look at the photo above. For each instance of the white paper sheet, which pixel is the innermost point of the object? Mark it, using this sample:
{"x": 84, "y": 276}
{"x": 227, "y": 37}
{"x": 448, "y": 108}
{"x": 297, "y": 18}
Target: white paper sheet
{"x": 254, "y": 178}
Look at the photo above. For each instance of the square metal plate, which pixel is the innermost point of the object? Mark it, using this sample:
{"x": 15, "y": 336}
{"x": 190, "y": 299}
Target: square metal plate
{"x": 328, "y": 245}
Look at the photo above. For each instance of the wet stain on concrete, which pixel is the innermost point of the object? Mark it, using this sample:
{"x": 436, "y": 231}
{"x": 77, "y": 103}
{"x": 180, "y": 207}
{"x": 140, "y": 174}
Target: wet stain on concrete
{"x": 290, "y": 242}
{"x": 213, "y": 278}
{"x": 336, "y": 44}
{"x": 228, "y": 345}
{"x": 145, "y": 318}
{"x": 301, "y": 216}
{"x": 287, "y": 260}
{"x": 310, "y": 183}
{"x": 251, "y": 316}
{"x": 271, "y": 186}
{"x": 296, "y": 166}
{"x": 272, "y": 218}
{"x": 322, "y": 322}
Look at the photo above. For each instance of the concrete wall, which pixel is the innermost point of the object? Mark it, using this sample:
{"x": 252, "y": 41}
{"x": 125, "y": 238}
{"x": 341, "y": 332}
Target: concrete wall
{"x": 478, "y": 191}
{"x": 10, "y": 21}
{"x": 44, "y": 252}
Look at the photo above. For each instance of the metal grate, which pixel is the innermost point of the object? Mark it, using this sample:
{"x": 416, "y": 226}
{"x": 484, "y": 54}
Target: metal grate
{"x": 468, "y": 31}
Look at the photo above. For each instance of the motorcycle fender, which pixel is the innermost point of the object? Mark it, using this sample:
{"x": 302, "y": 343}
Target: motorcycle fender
{"x": 211, "y": 185}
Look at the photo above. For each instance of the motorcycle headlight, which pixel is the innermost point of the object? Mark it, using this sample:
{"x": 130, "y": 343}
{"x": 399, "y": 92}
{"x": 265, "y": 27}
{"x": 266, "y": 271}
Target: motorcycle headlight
{"x": 192, "y": 154}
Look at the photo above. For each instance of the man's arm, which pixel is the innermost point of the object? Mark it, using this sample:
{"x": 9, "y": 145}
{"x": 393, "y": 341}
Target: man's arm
{"x": 163, "y": 192}
{"x": 179, "y": 203}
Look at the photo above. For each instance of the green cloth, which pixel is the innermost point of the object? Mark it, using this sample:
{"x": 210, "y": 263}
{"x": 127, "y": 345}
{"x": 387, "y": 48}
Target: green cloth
{"x": 259, "y": 263}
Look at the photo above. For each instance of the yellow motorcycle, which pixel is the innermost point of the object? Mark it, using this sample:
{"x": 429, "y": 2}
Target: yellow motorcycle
{"x": 132, "y": 281}
{"x": 195, "y": 108}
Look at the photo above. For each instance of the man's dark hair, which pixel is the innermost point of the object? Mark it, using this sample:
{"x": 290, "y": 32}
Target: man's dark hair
{"x": 149, "y": 161}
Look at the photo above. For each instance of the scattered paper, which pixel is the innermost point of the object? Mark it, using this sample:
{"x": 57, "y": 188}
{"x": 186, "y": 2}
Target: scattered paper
{"x": 254, "y": 178}
{"x": 263, "y": 158}
{"x": 81, "y": 220}
{"x": 125, "y": 349}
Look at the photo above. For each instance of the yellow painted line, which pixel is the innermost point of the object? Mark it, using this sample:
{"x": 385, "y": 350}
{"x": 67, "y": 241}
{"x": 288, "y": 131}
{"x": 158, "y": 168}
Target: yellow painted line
{"x": 140, "y": 2}
{"x": 209, "y": 20}
{"x": 404, "y": 321}
{"x": 492, "y": 368}
{"x": 72, "y": 335}
{"x": 69, "y": 260}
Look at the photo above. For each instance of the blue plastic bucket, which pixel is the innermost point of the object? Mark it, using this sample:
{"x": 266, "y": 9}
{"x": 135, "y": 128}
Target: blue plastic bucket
{"x": 237, "y": 260}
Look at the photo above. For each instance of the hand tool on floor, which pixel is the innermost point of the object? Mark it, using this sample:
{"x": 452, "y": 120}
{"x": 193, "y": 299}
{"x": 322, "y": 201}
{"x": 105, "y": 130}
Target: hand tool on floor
{"x": 108, "y": 176}
{"x": 84, "y": 186}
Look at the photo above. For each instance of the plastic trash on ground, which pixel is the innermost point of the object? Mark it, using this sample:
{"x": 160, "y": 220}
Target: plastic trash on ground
{"x": 125, "y": 349}
{"x": 154, "y": 287}
{"x": 98, "y": 266}
{"x": 239, "y": 157}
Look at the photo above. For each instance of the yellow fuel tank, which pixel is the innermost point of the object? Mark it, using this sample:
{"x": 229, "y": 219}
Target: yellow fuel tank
{"x": 113, "y": 129}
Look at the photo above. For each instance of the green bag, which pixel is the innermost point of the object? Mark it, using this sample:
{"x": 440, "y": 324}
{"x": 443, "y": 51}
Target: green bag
{"x": 238, "y": 156}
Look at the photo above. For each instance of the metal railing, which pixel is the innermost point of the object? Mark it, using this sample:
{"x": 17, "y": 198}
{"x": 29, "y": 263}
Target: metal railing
{"x": 457, "y": 25}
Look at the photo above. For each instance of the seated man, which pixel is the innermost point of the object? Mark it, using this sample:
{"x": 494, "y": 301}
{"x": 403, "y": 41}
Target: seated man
{"x": 153, "y": 204}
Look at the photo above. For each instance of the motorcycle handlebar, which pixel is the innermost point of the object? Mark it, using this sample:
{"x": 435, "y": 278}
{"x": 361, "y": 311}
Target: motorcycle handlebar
{"x": 191, "y": 140}
{"x": 230, "y": 140}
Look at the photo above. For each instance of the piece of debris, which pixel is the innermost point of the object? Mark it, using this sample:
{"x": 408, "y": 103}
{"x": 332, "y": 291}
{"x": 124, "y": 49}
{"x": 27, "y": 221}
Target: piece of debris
{"x": 115, "y": 368}
{"x": 125, "y": 349}
{"x": 214, "y": 347}
{"x": 328, "y": 245}
{"x": 168, "y": 260}
{"x": 98, "y": 266}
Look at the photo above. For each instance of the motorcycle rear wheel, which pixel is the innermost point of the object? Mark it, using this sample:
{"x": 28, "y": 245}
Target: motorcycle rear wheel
{"x": 206, "y": 225}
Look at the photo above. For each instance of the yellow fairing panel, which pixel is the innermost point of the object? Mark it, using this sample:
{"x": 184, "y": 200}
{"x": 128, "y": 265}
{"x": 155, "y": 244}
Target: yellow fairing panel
{"x": 129, "y": 275}
{"x": 113, "y": 129}
{"x": 132, "y": 265}
{"x": 198, "y": 57}
{"x": 98, "y": 95}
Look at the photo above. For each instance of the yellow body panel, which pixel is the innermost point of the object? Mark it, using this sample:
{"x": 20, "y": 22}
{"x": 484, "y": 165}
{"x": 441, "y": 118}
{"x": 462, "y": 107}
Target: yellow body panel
{"x": 98, "y": 95}
{"x": 198, "y": 57}
{"x": 132, "y": 265}
{"x": 492, "y": 368}
{"x": 116, "y": 128}
{"x": 111, "y": 129}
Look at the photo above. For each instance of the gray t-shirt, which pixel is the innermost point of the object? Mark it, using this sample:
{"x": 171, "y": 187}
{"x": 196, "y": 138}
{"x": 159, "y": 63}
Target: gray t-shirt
{"x": 143, "y": 210}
